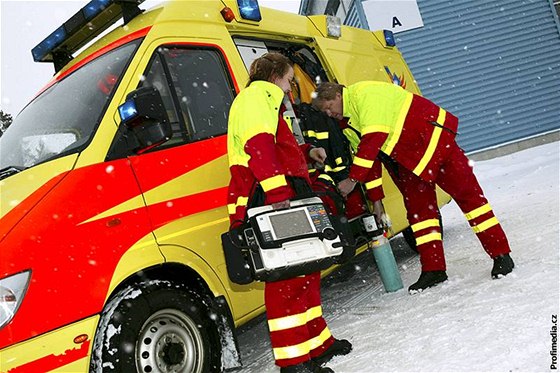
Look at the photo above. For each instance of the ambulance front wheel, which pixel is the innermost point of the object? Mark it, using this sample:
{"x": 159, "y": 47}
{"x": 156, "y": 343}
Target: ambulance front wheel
{"x": 156, "y": 326}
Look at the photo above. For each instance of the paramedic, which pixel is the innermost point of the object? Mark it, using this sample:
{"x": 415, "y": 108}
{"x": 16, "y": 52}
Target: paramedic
{"x": 268, "y": 167}
{"x": 419, "y": 137}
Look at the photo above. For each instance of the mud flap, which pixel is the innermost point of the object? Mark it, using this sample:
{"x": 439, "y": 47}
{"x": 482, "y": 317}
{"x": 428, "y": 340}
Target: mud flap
{"x": 231, "y": 358}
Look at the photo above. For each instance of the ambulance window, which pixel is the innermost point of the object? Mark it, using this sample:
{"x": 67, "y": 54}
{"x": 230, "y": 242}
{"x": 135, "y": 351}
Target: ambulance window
{"x": 63, "y": 118}
{"x": 196, "y": 89}
{"x": 202, "y": 87}
{"x": 156, "y": 78}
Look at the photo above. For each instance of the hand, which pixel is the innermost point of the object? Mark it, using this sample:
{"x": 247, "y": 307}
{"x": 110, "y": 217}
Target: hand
{"x": 281, "y": 205}
{"x": 378, "y": 210}
{"x": 380, "y": 216}
{"x": 319, "y": 155}
{"x": 346, "y": 186}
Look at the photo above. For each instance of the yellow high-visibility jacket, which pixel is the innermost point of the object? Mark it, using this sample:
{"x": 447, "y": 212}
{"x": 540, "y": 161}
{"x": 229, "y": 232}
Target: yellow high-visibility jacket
{"x": 412, "y": 130}
{"x": 262, "y": 149}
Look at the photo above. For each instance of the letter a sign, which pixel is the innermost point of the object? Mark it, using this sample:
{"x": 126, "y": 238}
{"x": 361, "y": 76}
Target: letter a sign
{"x": 394, "y": 15}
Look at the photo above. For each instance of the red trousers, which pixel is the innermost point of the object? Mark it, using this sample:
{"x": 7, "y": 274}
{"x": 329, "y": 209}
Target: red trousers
{"x": 455, "y": 177}
{"x": 297, "y": 329}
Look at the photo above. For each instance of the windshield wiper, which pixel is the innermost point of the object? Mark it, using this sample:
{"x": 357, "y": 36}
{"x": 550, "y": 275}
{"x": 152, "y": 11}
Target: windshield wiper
{"x": 9, "y": 171}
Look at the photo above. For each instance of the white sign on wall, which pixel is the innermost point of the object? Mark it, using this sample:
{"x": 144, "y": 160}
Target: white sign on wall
{"x": 395, "y": 15}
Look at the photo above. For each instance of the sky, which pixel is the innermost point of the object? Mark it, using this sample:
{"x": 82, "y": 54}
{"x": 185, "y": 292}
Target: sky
{"x": 470, "y": 323}
{"x": 24, "y": 24}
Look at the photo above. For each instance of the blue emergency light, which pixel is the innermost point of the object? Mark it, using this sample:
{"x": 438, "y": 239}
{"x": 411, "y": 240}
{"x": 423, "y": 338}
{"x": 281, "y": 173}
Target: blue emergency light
{"x": 94, "y": 7}
{"x": 51, "y": 42}
{"x": 389, "y": 38}
{"x": 128, "y": 111}
{"x": 81, "y": 28}
{"x": 249, "y": 9}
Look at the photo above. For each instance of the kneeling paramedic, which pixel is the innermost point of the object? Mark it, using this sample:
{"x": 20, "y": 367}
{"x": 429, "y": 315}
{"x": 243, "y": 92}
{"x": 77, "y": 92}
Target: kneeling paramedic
{"x": 419, "y": 138}
{"x": 268, "y": 167}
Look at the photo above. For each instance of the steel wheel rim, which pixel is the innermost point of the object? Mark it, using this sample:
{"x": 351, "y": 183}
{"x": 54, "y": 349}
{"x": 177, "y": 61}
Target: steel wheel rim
{"x": 169, "y": 341}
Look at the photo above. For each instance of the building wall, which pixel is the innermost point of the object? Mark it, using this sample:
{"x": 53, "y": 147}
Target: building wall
{"x": 495, "y": 64}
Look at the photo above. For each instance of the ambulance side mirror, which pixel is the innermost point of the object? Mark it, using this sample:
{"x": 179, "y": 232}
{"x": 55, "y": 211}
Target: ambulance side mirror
{"x": 144, "y": 115}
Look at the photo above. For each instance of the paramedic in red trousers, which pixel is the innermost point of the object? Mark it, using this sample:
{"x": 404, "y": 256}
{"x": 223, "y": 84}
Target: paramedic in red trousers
{"x": 419, "y": 138}
{"x": 268, "y": 167}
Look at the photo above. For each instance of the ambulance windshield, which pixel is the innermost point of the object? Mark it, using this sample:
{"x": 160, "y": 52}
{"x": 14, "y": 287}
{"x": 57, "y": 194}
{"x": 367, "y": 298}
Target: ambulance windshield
{"x": 63, "y": 118}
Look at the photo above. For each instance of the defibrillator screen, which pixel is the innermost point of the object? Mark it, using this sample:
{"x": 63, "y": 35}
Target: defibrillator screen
{"x": 290, "y": 224}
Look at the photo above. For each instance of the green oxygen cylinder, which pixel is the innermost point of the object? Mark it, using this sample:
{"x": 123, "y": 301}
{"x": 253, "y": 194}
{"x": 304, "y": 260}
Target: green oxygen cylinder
{"x": 383, "y": 254}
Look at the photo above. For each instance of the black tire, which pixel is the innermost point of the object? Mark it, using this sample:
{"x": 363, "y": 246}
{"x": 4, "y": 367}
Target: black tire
{"x": 156, "y": 326}
{"x": 409, "y": 236}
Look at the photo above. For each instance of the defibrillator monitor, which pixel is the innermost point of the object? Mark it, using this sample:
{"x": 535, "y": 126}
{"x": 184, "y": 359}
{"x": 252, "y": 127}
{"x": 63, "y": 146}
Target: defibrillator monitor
{"x": 292, "y": 223}
{"x": 276, "y": 227}
{"x": 291, "y": 237}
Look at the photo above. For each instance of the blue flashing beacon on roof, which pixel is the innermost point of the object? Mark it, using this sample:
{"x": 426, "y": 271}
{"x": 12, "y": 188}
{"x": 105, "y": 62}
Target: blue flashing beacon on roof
{"x": 249, "y": 9}
{"x": 389, "y": 38}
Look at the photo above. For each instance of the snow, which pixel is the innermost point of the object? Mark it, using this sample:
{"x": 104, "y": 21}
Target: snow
{"x": 470, "y": 323}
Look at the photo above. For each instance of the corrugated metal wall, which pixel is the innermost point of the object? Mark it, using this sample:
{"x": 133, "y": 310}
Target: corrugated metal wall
{"x": 355, "y": 16}
{"x": 495, "y": 64}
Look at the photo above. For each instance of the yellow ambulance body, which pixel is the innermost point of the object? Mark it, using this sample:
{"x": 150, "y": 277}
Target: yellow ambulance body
{"x": 111, "y": 258}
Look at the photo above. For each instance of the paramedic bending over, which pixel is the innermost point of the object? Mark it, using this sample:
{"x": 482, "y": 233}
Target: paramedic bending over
{"x": 268, "y": 167}
{"x": 419, "y": 137}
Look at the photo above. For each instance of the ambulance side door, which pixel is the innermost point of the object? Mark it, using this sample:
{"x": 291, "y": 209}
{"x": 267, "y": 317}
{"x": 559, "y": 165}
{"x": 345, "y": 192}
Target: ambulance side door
{"x": 184, "y": 181}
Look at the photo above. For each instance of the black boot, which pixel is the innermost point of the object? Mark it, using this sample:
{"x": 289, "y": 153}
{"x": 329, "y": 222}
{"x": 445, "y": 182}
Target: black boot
{"x": 427, "y": 280}
{"x": 306, "y": 367}
{"x": 503, "y": 264}
{"x": 338, "y": 348}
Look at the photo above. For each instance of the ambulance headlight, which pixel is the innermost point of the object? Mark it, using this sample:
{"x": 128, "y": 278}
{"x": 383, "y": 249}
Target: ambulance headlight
{"x": 333, "y": 26}
{"x": 12, "y": 292}
{"x": 249, "y": 9}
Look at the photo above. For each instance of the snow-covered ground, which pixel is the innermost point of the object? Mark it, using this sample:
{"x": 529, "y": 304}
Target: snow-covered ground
{"x": 470, "y": 323}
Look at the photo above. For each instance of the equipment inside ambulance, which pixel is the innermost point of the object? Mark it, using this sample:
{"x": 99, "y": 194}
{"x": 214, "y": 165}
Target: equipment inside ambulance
{"x": 114, "y": 184}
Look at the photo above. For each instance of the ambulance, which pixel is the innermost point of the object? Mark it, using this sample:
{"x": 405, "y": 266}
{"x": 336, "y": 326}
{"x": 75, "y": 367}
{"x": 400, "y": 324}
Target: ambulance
{"x": 113, "y": 182}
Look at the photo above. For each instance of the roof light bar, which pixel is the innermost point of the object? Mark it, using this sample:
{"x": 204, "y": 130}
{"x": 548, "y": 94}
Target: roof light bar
{"x": 50, "y": 42}
{"x": 93, "y": 8}
{"x": 81, "y": 28}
